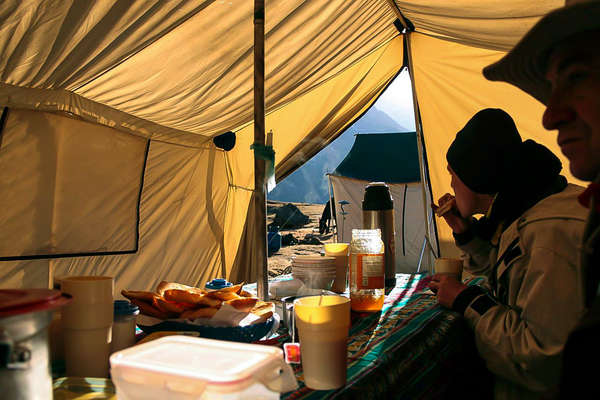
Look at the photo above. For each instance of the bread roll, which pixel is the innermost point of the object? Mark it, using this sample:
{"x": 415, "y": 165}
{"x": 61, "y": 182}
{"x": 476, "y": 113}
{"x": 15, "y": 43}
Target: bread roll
{"x": 224, "y": 296}
{"x": 164, "y": 286}
{"x": 149, "y": 309}
{"x": 205, "y": 312}
{"x": 243, "y": 304}
{"x": 138, "y": 295}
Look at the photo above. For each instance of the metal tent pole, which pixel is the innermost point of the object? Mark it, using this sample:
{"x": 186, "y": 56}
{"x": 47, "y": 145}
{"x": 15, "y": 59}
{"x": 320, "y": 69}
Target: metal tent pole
{"x": 331, "y": 205}
{"x": 262, "y": 287}
{"x": 420, "y": 141}
{"x": 408, "y": 28}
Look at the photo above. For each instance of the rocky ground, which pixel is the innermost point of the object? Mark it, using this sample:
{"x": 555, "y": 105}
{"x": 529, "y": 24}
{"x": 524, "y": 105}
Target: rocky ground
{"x": 280, "y": 262}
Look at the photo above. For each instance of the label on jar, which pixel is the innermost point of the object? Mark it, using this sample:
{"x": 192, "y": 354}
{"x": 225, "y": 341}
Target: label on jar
{"x": 370, "y": 271}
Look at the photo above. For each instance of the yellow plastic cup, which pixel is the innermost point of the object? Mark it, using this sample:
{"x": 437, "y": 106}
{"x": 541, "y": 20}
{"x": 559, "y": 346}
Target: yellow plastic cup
{"x": 323, "y": 323}
{"x": 449, "y": 266}
{"x": 340, "y": 252}
{"x": 87, "y": 325}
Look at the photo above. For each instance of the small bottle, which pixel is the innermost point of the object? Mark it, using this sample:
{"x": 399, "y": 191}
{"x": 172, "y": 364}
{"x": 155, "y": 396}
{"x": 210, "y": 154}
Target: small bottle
{"x": 123, "y": 329}
{"x": 367, "y": 270}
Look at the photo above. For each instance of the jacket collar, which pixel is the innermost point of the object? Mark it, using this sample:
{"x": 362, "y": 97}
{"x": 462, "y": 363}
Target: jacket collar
{"x": 590, "y": 197}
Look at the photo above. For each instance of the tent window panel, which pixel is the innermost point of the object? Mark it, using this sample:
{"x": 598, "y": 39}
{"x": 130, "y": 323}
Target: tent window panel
{"x": 68, "y": 187}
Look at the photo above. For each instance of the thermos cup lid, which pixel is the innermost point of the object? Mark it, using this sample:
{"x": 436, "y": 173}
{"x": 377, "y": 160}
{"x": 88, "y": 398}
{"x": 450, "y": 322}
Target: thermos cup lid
{"x": 377, "y": 197}
{"x": 124, "y": 307}
{"x": 218, "y": 283}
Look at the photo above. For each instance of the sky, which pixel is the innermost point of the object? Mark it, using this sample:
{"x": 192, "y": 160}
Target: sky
{"x": 397, "y": 101}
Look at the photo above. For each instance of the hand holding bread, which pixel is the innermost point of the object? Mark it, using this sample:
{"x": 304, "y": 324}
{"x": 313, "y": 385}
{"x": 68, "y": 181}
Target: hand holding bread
{"x": 446, "y": 203}
{"x": 448, "y": 210}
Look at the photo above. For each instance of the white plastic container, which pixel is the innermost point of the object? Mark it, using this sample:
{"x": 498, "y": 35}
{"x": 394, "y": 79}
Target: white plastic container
{"x": 186, "y": 368}
{"x": 315, "y": 272}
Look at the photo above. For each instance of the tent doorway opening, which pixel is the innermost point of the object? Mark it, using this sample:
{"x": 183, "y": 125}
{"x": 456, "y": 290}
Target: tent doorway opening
{"x": 381, "y": 145}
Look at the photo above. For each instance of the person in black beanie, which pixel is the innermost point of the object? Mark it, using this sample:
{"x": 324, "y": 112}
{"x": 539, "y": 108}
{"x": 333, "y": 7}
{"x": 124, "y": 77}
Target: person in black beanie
{"x": 525, "y": 245}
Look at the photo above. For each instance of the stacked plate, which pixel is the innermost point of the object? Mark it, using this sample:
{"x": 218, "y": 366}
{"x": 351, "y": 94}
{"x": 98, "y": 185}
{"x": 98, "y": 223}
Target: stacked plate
{"x": 315, "y": 272}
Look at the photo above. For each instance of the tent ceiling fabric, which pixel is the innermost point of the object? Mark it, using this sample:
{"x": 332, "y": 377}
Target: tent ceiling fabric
{"x": 186, "y": 66}
{"x": 180, "y": 72}
{"x": 489, "y": 24}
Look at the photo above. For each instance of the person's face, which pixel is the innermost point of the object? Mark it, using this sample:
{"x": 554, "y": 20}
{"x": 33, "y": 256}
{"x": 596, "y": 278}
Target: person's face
{"x": 466, "y": 199}
{"x": 574, "y": 105}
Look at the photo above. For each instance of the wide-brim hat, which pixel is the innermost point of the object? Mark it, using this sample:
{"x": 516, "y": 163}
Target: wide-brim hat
{"x": 525, "y": 65}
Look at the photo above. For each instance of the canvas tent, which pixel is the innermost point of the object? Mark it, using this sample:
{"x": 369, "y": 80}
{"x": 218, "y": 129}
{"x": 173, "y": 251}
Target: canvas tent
{"x": 106, "y": 159}
{"x": 391, "y": 158}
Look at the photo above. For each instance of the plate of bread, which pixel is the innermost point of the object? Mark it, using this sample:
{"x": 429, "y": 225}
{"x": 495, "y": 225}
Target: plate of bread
{"x": 230, "y": 313}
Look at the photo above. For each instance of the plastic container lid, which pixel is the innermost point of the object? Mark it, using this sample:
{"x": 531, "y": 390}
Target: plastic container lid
{"x": 123, "y": 307}
{"x": 179, "y": 363}
{"x": 218, "y": 283}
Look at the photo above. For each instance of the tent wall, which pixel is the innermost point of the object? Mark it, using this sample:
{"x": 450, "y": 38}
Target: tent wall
{"x": 182, "y": 212}
{"x": 61, "y": 194}
{"x": 408, "y": 219}
{"x": 450, "y": 89}
{"x": 181, "y": 223}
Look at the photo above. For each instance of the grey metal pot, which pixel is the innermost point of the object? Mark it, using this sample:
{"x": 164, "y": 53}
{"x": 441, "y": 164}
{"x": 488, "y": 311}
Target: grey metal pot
{"x": 24, "y": 351}
{"x": 287, "y": 305}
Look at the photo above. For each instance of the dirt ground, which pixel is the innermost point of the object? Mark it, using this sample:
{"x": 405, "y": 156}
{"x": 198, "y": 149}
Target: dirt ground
{"x": 280, "y": 262}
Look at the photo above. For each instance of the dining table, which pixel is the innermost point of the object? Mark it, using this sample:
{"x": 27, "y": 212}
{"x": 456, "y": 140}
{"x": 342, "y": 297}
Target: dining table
{"x": 413, "y": 349}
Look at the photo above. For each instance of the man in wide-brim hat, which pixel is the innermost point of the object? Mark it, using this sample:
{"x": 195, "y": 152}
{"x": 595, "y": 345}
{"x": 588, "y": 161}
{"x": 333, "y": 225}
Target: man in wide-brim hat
{"x": 558, "y": 63}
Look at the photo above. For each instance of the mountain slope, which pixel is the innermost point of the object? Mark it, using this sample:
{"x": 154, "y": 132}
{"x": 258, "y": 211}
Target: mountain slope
{"x": 308, "y": 184}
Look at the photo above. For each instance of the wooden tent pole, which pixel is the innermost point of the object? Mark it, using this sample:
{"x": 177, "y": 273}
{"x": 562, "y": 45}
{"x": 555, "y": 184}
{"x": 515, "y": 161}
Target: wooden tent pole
{"x": 260, "y": 202}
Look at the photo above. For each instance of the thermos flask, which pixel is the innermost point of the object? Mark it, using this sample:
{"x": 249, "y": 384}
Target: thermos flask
{"x": 378, "y": 212}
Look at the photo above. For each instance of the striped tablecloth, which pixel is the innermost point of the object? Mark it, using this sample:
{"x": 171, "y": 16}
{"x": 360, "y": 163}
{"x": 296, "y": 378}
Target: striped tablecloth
{"x": 413, "y": 349}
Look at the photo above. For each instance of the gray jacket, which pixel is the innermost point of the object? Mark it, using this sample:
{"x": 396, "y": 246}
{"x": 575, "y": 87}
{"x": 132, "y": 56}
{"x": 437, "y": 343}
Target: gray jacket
{"x": 582, "y": 349}
{"x": 536, "y": 295}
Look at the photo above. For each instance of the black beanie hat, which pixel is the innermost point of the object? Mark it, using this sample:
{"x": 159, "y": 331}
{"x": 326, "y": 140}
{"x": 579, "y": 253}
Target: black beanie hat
{"x": 479, "y": 152}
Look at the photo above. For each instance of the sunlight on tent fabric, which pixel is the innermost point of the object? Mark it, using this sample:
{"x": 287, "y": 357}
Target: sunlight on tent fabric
{"x": 489, "y": 24}
{"x": 175, "y": 74}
